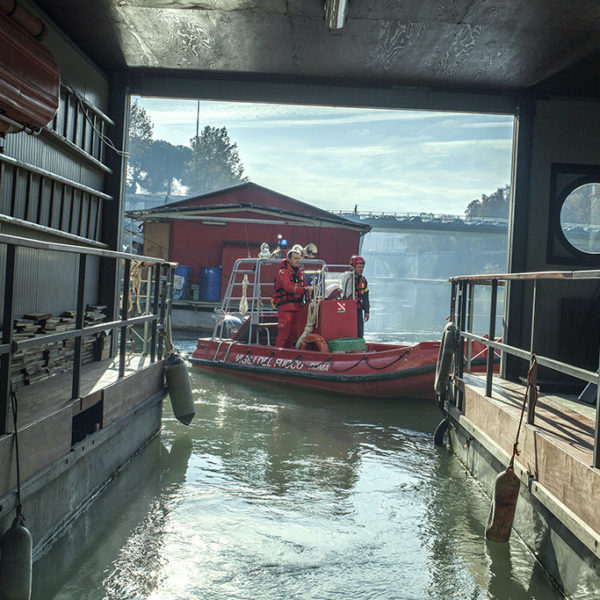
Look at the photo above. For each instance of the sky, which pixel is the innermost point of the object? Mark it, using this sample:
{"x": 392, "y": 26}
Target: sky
{"x": 338, "y": 158}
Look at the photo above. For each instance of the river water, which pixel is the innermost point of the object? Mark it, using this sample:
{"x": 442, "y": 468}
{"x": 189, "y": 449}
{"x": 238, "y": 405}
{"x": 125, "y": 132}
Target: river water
{"x": 282, "y": 494}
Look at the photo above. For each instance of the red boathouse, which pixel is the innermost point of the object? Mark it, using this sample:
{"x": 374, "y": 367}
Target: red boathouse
{"x": 213, "y": 230}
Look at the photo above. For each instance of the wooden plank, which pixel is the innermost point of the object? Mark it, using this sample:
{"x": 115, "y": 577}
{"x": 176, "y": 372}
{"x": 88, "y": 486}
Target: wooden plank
{"x": 156, "y": 239}
{"x": 128, "y": 392}
{"x": 91, "y": 399}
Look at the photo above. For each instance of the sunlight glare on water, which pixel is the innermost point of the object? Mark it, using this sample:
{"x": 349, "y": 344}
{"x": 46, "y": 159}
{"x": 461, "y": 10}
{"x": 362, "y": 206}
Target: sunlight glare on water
{"x": 289, "y": 495}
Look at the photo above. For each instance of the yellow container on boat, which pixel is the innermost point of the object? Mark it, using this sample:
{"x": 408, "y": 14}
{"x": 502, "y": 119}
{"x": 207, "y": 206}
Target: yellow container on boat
{"x": 347, "y": 345}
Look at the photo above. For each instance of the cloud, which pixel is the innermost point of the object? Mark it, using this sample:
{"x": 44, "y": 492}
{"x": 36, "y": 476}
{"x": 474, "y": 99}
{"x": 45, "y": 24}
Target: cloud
{"x": 382, "y": 160}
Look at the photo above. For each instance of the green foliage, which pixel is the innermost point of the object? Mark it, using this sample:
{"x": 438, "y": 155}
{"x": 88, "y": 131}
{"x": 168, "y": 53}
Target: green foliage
{"x": 212, "y": 162}
{"x": 140, "y": 141}
{"x": 163, "y": 163}
{"x": 215, "y": 163}
{"x": 495, "y": 205}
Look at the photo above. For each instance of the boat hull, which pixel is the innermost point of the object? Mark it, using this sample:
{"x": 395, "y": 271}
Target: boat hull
{"x": 383, "y": 371}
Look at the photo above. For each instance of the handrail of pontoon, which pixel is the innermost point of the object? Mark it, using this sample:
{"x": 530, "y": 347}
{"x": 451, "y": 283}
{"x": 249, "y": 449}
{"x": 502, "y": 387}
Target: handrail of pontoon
{"x": 462, "y": 293}
{"x": 163, "y": 271}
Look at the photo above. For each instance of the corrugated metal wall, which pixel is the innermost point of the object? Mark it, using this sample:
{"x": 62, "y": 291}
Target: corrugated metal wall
{"x": 58, "y": 180}
{"x": 47, "y": 281}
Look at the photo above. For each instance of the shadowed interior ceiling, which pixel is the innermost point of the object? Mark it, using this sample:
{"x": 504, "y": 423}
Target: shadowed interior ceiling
{"x": 552, "y": 46}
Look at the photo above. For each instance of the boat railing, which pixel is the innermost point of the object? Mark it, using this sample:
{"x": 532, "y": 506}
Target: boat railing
{"x": 152, "y": 287}
{"x": 461, "y": 312}
{"x": 250, "y": 288}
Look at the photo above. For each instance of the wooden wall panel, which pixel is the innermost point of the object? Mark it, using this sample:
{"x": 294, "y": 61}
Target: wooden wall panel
{"x": 40, "y": 444}
{"x": 127, "y": 393}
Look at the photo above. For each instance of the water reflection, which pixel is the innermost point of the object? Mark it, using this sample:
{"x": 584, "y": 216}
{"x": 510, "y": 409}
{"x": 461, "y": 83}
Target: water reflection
{"x": 272, "y": 494}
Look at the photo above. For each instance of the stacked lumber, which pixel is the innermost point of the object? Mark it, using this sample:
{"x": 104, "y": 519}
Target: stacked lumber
{"x": 43, "y": 360}
{"x": 94, "y": 315}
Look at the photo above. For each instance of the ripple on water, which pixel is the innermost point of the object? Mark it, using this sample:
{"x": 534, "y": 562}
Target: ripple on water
{"x": 294, "y": 497}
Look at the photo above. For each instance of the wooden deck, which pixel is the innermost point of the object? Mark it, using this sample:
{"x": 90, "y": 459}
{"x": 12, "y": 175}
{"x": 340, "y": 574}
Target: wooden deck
{"x": 50, "y": 421}
{"x": 50, "y": 395}
{"x": 556, "y": 451}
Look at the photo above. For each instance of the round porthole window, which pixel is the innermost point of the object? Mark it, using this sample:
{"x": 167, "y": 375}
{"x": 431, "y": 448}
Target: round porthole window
{"x": 580, "y": 218}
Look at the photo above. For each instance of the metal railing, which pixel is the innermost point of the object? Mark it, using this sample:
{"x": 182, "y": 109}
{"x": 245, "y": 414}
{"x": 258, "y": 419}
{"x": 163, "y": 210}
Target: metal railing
{"x": 462, "y": 306}
{"x": 421, "y": 217}
{"x": 160, "y": 276}
{"x": 259, "y": 287}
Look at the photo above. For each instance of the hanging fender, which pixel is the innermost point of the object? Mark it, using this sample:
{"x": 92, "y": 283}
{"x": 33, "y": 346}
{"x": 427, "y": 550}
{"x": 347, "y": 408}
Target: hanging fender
{"x": 16, "y": 562}
{"x": 504, "y": 504}
{"x": 444, "y": 361}
{"x": 180, "y": 389}
{"x": 317, "y": 340}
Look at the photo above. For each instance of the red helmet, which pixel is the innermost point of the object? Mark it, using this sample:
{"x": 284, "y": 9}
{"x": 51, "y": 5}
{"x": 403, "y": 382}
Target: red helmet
{"x": 357, "y": 259}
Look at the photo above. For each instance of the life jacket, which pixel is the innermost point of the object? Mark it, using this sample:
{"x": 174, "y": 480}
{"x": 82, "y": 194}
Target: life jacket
{"x": 296, "y": 277}
{"x": 361, "y": 288}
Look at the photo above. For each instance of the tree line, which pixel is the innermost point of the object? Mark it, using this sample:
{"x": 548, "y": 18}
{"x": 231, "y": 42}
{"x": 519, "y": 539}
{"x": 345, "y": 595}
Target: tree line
{"x": 581, "y": 206}
{"x": 211, "y": 161}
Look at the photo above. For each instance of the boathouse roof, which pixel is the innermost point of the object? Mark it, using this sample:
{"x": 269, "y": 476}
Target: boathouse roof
{"x": 249, "y": 197}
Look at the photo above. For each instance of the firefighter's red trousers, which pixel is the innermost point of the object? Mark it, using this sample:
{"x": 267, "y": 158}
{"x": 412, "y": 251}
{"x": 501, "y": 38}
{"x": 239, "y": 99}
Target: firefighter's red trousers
{"x": 287, "y": 326}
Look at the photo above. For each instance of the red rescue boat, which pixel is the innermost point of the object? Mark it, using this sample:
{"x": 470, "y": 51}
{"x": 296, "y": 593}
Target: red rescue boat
{"x": 331, "y": 358}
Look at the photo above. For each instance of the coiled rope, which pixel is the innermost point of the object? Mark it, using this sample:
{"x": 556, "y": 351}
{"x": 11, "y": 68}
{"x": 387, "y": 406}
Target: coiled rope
{"x": 243, "y": 306}
{"x": 313, "y": 313}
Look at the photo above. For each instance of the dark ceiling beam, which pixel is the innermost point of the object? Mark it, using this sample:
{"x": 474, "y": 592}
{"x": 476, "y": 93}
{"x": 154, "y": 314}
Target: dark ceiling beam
{"x": 208, "y": 86}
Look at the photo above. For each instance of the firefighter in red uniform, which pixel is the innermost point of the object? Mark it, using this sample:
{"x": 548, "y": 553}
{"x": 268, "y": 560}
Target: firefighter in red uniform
{"x": 291, "y": 290}
{"x": 361, "y": 292}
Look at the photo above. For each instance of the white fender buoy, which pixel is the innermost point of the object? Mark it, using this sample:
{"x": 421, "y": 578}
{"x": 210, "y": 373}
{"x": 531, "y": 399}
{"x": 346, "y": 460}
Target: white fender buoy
{"x": 504, "y": 504}
{"x": 180, "y": 389}
{"x": 15, "y": 562}
{"x": 444, "y": 362}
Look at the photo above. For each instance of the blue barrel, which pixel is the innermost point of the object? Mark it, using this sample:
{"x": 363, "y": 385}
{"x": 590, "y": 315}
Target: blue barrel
{"x": 182, "y": 282}
{"x": 210, "y": 284}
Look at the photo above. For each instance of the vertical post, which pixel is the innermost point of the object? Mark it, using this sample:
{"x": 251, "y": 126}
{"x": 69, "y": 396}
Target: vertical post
{"x": 7, "y": 336}
{"x": 124, "y": 311}
{"x": 470, "y": 323}
{"x": 169, "y": 306}
{"x": 596, "y": 456}
{"x": 460, "y": 325}
{"x": 492, "y": 334}
{"x": 518, "y": 224}
{"x": 459, "y": 353}
{"x": 157, "y": 270}
{"x": 163, "y": 309}
{"x": 148, "y": 283}
{"x": 79, "y": 322}
{"x": 109, "y": 216}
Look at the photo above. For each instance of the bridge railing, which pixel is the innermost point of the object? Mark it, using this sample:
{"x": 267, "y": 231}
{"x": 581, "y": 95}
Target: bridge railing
{"x": 422, "y": 217}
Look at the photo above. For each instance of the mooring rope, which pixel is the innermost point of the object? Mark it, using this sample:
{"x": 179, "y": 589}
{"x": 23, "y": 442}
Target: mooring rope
{"x": 243, "y": 306}
{"x": 13, "y": 398}
{"x": 532, "y": 389}
{"x": 135, "y": 278}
